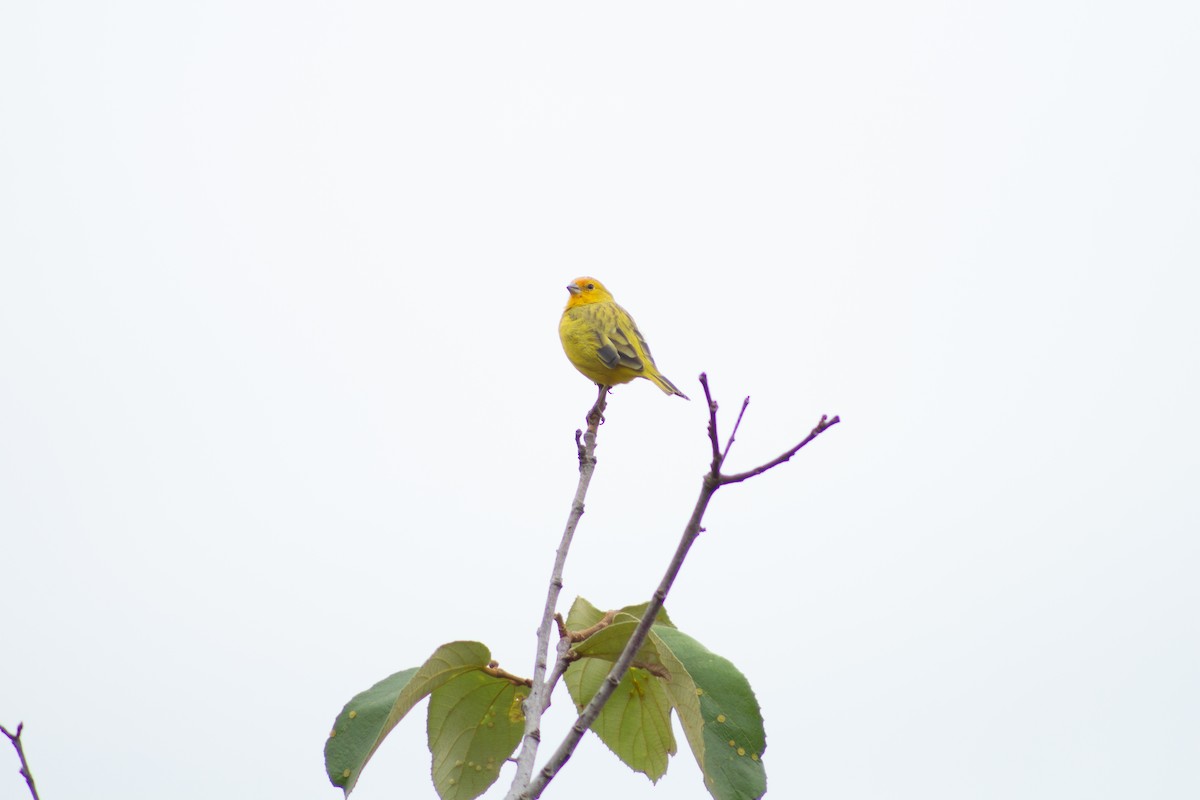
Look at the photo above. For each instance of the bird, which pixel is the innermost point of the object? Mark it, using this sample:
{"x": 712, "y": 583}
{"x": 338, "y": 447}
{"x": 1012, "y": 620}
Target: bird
{"x": 602, "y": 340}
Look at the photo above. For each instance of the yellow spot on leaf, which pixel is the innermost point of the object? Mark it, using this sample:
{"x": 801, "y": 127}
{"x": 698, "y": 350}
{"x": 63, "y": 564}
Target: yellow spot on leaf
{"x": 754, "y": 756}
{"x": 515, "y": 712}
{"x": 332, "y": 734}
{"x": 478, "y": 767}
{"x": 732, "y": 743}
{"x": 720, "y": 717}
{"x": 458, "y": 763}
{"x": 345, "y": 773}
{"x": 353, "y": 714}
{"x": 699, "y": 691}
{"x": 741, "y": 751}
{"x": 452, "y": 781}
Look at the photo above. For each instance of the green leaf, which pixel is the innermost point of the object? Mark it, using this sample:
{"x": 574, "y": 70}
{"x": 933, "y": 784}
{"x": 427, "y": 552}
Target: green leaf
{"x": 716, "y": 707}
{"x": 719, "y": 715}
{"x": 583, "y": 614}
{"x": 635, "y": 723}
{"x": 475, "y": 723}
{"x": 370, "y": 716}
{"x": 638, "y": 611}
{"x": 608, "y": 643}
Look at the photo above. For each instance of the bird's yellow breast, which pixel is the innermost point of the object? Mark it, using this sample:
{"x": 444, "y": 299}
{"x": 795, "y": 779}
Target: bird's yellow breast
{"x": 582, "y": 330}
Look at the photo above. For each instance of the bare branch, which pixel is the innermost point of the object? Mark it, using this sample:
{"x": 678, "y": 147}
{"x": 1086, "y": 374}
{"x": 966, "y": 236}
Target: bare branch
{"x": 733, "y": 433}
{"x": 539, "y": 693}
{"x": 25, "y": 773}
{"x": 565, "y": 656}
{"x": 712, "y": 424}
{"x": 822, "y": 426}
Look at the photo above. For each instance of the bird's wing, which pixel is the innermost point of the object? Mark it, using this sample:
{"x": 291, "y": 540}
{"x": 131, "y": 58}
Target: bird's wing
{"x": 620, "y": 342}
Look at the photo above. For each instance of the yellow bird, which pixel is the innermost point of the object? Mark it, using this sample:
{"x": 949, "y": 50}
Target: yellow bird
{"x": 603, "y": 341}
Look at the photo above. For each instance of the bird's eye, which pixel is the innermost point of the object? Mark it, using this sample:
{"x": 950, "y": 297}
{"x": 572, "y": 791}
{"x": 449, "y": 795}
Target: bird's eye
{"x": 591, "y": 286}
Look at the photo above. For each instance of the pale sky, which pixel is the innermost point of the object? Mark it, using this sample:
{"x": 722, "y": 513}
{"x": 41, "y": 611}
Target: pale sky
{"x": 283, "y": 407}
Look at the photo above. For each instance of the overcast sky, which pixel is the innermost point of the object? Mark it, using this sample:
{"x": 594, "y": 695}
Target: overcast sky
{"x": 283, "y": 408}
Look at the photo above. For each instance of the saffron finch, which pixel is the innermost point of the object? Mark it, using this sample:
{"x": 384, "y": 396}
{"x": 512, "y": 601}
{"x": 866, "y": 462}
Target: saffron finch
{"x": 603, "y": 341}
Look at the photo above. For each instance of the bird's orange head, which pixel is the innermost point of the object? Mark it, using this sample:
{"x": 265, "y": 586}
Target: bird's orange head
{"x": 587, "y": 290}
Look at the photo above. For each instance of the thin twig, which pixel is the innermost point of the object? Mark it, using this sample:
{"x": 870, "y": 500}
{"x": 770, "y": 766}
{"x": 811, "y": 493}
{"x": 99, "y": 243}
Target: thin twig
{"x": 733, "y": 433}
{"x": 15, "y": 738}
{"x": 712, "y": 481}
{"x": 565, "y": 655}
{"x": 712, "y": 424}
{"x": 821, "y": 427}
{"x": 539, "y": 694}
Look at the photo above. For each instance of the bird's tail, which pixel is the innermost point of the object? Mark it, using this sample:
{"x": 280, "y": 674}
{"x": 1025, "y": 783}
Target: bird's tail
{"x": 661, "y": 382}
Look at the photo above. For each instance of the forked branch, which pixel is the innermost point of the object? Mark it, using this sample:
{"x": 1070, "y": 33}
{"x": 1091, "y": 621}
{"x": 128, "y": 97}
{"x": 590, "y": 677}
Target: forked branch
{"x": 15, "y": 738}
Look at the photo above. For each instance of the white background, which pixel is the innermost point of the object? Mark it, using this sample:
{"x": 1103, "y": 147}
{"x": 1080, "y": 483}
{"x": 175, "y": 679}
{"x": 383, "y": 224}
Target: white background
{"x": 282, "y": 405}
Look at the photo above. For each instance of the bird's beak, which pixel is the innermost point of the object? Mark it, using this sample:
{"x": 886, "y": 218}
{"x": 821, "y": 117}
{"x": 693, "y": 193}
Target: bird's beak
{"x": 573, "y": 289}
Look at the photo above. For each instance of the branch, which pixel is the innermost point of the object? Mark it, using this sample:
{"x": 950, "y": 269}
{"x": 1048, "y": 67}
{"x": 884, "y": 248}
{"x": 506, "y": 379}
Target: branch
{"x": 822, "y": 426}
{"x": 733, "y": 433}
{"x": 15, "y": 738}
{"x": 592, "y": 710}
{"x": 713, "y": 480}
{"x": 712, "y": 424}
{"x": 539, "y": 694}
{"x": 564, "y": 656}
